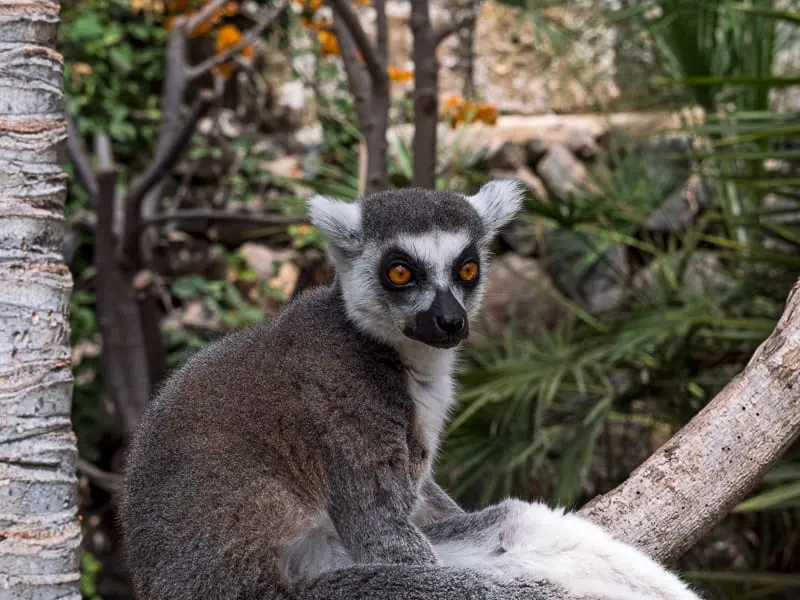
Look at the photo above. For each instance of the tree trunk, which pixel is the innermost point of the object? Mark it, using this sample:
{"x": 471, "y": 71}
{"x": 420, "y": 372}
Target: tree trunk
{"x": 39, "y": 531}
{"x": 426, "y": 95}
{"x": 678, "y": 494}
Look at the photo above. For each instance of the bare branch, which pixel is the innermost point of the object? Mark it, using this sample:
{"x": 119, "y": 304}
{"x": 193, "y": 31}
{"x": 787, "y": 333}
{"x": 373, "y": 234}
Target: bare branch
{"x": 225, "y": 216}
{"x": 189, "y": 24}
{"x": 80, "y": 160}
{"x": 696, "y": 478}
{"x": 172, "y": 152}
{"x": 443, "y": 32}
{"x": 103, "y": 151}
{"x": 251, "y": 36}
{"x": 110, "y": 482}
{"x": 382, "y": 34}
{"x": 376, "y": 68}
{"x": 356, "y": 76}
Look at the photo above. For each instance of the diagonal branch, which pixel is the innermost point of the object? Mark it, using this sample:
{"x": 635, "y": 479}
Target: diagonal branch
{"x": 377, "y": 70}
{"x": 441, "y": 33}
{"x": 172, "y": 152}
{"x": 80, "y": 160}
{"x": 251, "y": 36}
{"x": 697, "y": 477}
{"x": 188, "y": 24}
{"x": 356, "y": 76}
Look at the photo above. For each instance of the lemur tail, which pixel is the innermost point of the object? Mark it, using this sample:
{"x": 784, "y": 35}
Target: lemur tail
{"x": 407, "y": 582}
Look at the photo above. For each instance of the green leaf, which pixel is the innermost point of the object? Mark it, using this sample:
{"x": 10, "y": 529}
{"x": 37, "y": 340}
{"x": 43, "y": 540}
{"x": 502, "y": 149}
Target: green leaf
{"x": 770, "y": 500}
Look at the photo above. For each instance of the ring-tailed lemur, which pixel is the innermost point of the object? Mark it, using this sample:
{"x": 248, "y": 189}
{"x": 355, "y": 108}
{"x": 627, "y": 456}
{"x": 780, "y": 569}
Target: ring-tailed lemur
{"x": 293, "y": 459}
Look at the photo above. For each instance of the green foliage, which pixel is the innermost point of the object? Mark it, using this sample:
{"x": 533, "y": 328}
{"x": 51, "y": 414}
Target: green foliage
{"x": 543, "y": 412}
{"x": 89, "y": 416}
{"x": 220, "y": 305}
{"x": 114, "y": 65}
{"x": 90, "y": 567}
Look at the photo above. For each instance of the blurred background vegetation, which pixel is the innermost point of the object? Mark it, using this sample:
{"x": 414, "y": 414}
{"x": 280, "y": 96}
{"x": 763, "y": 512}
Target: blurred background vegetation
{"x": 660, "y": 141}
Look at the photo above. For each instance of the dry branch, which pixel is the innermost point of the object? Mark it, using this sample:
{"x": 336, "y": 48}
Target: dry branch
{"x": 79, "y": 159}
{"x": 248, "y": 38}
{"x": 369, "y": 86}
{"x": 218, "y": 216}
{"x": 678, "y": 494}
{"x": 172, "y": 150}
{"x": 377, "y": 70}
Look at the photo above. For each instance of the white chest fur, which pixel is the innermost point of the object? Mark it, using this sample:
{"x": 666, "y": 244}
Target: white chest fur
{"x": 432, "y": 391}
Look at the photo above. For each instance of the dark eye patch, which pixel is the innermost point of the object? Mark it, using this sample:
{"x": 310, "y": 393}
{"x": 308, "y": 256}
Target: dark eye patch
{"x": 395, "y": 256}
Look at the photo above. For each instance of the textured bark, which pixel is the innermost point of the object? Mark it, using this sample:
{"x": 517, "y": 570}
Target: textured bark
{"x": 39, "y": 531}
{"x": 426, "y": 86}
{"x": 426, "y": 95}
{"x": 369, "y": 85}
{"x": 694, "y": 480}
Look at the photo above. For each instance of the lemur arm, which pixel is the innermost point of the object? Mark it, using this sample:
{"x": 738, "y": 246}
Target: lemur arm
{"x": 371, "y": 500}
{"x": 434, "y": 504}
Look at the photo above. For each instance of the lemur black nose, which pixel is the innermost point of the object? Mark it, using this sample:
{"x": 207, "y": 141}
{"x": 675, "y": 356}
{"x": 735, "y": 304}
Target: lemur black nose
{"x": 451, "y": 325}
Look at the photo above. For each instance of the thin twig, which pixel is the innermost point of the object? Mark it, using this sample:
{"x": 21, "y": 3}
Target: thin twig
{"x": 251, "y": 36}
{"x": 80, "y": 160}
{"x": 446, "y": 30}
{"x": 189, "y": 24}
{"x": 223, "y": 216}
{"x": 375, "y": 66}
{"x": 177, "y": 145}
{"x": 110, "y": 482}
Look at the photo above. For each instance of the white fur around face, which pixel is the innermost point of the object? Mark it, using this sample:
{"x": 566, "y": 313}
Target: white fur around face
{"x": 540, "y": 543}
{"x": 497, "y": 202}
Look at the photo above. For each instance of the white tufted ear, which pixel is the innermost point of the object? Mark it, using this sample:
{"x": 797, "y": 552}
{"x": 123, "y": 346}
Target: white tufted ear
{"x": 339, "y": 222}
{"x": 497, "y": 202}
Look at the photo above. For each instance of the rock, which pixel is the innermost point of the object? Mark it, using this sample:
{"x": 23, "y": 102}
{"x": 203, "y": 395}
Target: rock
{"x": 264, "y": 261}
{"x": 516, "y": 296}
{"x": 703, "y": 276}
{"x": 524, "y": 175}
{"x": 531, "y": 180}
{"x": 536, "y": 134}
{"x": 593, "y": 276}
{"x": 682, "y": 207}
{"x": 286, "y": 279}
{"x": 657, "y": 157}
{"x": 285, "y": 166}
{"x": 510, "y": 155}
{"x": 564, "y": 175}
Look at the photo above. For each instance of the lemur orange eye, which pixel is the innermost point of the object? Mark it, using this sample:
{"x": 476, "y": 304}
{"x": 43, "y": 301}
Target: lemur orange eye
{"x": 469, "y": 271}
{"x": 399, "y": 274}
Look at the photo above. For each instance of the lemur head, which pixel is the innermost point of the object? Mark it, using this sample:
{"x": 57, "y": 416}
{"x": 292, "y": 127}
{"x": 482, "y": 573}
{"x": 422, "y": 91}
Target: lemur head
{"x": 412, "y": 262}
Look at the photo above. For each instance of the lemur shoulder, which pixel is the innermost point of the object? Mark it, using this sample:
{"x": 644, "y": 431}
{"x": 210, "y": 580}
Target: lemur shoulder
{"x": 294, "y": 459}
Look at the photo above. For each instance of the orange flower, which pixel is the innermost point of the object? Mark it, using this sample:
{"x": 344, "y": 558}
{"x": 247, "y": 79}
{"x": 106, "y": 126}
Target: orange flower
{"x": 486, "y": 113}
{"x": 178, "y": 5}
{"x": 314, "y": 24}
{"x": 363, "y": 2}
{"x": 329, "y": 45}
{"x": 400, "y": 75}
{"x": 229, "y": 36}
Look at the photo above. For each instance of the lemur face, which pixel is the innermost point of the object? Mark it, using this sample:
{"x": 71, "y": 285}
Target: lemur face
{"x": 412, "y": 262}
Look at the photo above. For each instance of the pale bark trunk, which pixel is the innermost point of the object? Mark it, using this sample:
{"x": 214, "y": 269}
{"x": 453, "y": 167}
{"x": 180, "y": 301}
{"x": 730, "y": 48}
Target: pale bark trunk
{"x": 39, "y": 530}
{"x": 685, "y": 488}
